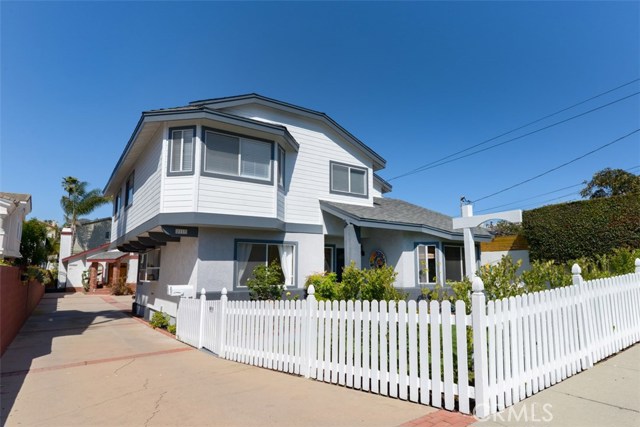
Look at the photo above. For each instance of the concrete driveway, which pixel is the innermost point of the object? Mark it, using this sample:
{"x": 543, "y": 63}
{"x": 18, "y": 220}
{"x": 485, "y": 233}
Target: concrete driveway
{"x": 81, "y": 361}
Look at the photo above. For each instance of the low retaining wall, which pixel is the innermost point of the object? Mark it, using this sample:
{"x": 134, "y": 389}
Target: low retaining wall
{"x": 17, "y": 302}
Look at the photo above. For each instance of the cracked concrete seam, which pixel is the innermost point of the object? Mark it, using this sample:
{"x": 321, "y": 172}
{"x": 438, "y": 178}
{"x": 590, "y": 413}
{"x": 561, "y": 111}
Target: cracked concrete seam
{"x": 124, "y": 366}
{"x": 156, "y": 409}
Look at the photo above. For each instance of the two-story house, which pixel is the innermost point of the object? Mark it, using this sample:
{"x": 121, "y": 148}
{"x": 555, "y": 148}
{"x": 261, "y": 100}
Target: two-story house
{"x": 208, "y": 191}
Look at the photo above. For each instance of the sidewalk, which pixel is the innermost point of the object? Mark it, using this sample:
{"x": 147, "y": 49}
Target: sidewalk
{"x": 606, "y": 395}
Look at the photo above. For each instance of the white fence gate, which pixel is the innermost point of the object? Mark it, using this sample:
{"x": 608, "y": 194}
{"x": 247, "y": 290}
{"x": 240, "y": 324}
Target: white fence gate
{"x": 421, "y": 352}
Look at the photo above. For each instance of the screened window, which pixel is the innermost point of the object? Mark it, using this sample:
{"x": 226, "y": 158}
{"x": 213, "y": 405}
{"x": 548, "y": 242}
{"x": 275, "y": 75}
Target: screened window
{"x": 454, "y": 263}
{"x": 149, "y": 266}
{"x": 236, "y": 156}
{"x": 128, "y": 194}
{"x": 348, "y": 179}
{"x": 281, "y": 166}
{"x": 427, "y": 265}
{"x": 328, "y": 259}
{"x": 251, "y": 255}
{"x": 181, "y": 150}
{"x": 116, "y": 204}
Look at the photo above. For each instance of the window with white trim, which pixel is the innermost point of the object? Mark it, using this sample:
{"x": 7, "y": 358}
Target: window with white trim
{"x": 348, "y": 179}
{"x": 181, "y": 150}
{"x": 237, "y": 156}
{"x": 149, "y": 266}
{"x": 250, "y": 255}
{"x": 427, "y": 264}
{"x": 281, "y": 160}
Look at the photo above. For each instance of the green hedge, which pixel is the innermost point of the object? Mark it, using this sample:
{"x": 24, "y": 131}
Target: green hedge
{"x": 582, "y": 229}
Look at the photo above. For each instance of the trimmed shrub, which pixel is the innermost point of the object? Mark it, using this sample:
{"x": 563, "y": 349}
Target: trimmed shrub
{"x": 585, "y": 228}
{"x": 160, "y": 320}
{"x": 326, "y": 286}
{"x": 267, "y": 282}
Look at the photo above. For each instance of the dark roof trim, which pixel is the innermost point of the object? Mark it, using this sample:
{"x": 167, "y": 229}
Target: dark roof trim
{"x": 379, "y": 160}
{"x": 386, "y": 187}
{"x": 200, "y": 219}
{"x": 393, "y": 225}
{"x": 201, "y": 112}
{"x": 83, "y": 253}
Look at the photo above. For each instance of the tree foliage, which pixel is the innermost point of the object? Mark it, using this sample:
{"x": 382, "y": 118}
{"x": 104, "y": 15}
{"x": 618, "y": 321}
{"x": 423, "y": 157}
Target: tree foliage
{"x": 611, "y": 182}
{"x": 79, "y": 201}
{"x": 267, "y": 282}
{"x": 34, "y": 246}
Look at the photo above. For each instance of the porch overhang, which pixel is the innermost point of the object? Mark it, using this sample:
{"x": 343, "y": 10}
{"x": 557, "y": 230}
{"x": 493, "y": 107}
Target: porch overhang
{"x": 351, "y": 218}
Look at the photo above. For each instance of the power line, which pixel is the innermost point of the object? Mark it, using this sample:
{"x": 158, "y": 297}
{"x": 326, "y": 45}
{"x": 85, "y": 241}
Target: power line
{"x": 530, "y": 198}
{"x": 419, "y": 169}
{"x": 544, "y": 194}
{"x": 575, "y": 193}
{"x": 440, "y": 162}
{"x": 560, "y": 166}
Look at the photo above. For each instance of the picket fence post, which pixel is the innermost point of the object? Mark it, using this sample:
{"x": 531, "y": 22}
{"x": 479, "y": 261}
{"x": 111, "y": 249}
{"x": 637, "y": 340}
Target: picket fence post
{"x": 576, "y": 277}
{"x": 203, "y": 299}
{"x": 222, "y": 324}
{"x": 637, "y": 265}
{"x": 480, "y": 357}
{"x": 310, "y": 327}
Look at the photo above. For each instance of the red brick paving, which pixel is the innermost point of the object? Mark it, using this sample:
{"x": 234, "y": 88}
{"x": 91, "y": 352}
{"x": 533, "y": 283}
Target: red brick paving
{"x": 441, "y": 418}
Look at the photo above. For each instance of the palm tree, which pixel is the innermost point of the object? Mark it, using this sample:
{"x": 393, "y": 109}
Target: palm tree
{"x": 78, "y": 202}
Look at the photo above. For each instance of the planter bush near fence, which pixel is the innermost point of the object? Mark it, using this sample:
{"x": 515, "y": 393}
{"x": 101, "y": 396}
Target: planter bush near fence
{"x": 17, "y": 302}
{"x": 419, "y": 351}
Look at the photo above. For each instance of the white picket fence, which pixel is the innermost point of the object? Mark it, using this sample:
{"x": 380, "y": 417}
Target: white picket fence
{"x": 420, "y": 351}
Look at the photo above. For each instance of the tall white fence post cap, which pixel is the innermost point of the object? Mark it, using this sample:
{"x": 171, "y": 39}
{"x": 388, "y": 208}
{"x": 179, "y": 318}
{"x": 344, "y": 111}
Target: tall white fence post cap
{"x": 575, "y": 269}
{"x": 224, "y": 291}
{"x": 311, "y": 290}
{"x": 477, "y": 285}
{"x": 637, "y": 262}
{"x": 203, "y": 291}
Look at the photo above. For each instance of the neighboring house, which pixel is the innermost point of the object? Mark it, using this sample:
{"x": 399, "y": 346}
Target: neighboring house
{"x": 14, "y": 208}
{"x": 514, "y": 246}
{"x": 208, "y": 191}
{"x": 91, "y": 253}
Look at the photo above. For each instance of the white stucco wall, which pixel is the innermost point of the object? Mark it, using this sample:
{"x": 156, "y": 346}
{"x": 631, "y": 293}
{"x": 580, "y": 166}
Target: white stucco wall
{"x": 495, "y": 257}
{"x": 216, "y": 268}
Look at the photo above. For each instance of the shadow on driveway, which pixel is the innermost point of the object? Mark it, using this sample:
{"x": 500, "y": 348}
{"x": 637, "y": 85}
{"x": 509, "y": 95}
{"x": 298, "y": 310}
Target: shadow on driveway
{"x": 47, "y": 326}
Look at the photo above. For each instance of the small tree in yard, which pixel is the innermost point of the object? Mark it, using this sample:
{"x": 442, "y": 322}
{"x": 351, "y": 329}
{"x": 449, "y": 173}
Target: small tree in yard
{"x": 267, "y": 282}
{"x": 33, "y": 246}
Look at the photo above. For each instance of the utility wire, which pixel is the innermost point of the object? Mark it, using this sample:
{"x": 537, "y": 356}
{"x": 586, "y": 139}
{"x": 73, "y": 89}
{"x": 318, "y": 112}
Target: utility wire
{"x": 443, "y": 160}
{"x": 525, "y": 125}
{"x": 558, "y": 167}
{"x": 544, "y": 194}
{"x": 575, "y": 193}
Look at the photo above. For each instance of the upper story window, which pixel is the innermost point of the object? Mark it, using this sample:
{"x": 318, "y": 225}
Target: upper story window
{"x": 181, "y": 150}
{"x": 348, "y": 179}
{"x": 128, "y": 194}
{"x": 116, "y": 204}
{"x": 281, "y": 166}
{"x": 237, "y": 156}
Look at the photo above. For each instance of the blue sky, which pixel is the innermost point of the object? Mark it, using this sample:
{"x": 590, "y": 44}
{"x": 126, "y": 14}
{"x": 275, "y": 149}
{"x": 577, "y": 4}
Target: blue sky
{"x": 414, "y": 81}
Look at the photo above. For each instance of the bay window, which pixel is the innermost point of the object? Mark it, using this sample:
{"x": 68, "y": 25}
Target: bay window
{"x": 250, "y": 255}
{"x": 181, "y": 150}
{"x": 236, "y": 156}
